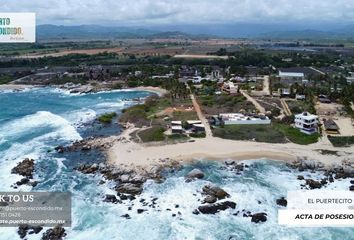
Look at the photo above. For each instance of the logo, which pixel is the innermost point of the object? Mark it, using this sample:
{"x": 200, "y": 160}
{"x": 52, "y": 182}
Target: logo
{"x": 17, "y": 27}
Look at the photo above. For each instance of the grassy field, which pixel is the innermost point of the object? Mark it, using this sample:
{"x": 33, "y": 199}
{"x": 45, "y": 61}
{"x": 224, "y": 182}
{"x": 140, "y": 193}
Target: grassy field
{"x": 341, "y": 141}
{"x": 274, "y": 133}
{"x": 153, "y": 134}
{"x": 295, "y": 136}
{"x": 258, "y": 133}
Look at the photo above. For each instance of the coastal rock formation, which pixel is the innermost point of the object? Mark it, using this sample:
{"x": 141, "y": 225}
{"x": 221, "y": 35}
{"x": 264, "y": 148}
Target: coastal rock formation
{"x": 214, "y": 208}
{"x": 25, "y": 229}
{"x": 259, "y": 217}
{"x": 88, "y": 169}
{"x": 210, "y": 199}
{"x": 282, "y": 202}
{"x": 313, "y": 184}
{"x": 56, "y": 233}
{"x": 195, "y": 174}
{"x": 236, "y": 167}
{"x": 215, "y": 191}
{"x": 24, "y": 168}
{"x": 111, "y": 199}
{"x": 130, "y": 188}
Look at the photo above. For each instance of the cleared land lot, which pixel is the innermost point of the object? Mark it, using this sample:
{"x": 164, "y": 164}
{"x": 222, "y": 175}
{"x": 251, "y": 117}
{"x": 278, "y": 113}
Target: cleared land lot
{"x": 74, "y": 51}
{"x": 200, "y": 56}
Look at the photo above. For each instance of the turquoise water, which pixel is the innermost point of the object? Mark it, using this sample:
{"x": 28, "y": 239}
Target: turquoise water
{"x": 34, "y": 121}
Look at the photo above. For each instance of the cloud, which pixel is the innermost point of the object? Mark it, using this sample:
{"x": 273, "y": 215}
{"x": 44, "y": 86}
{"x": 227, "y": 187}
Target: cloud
{"x": 140, "y": 12}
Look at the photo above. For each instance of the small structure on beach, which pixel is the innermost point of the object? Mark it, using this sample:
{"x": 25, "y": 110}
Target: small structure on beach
{"x": 306, "y": 123}
{"x": 238, "y": 119}
{"x": 189, "y": 126}
{"x": 331, "y": 126}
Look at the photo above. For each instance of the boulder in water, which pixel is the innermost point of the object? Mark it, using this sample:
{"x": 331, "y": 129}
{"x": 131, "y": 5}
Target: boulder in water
{"x": 56, "y": 233}
{"x": 215, "y": 191}
{"x": 259, "y": 217}
{"x": 313, "y": 184}
{"x": 129, "y": 188}
{"x": 24, "y": 168}
{"x": 195, "y": 174}
{"x": 214, "y": 208}
{"x": 282, "y": 202}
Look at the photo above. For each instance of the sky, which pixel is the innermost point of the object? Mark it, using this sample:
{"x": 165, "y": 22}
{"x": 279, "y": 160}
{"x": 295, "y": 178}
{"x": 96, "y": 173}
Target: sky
{"x": 159, "y": 12}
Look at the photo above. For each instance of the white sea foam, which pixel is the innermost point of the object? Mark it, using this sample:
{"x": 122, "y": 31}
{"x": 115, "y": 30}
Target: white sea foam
{"x": 40, "y": 120}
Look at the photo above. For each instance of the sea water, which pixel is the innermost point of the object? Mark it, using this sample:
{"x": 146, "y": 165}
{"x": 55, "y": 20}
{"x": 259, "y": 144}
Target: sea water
{"x": 33, "y": 122}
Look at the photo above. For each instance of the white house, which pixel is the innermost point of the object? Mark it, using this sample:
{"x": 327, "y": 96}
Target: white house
{"x": 239, "y": 119}
{"x": 229, "y": 87}
{"x": 306, "y": 122}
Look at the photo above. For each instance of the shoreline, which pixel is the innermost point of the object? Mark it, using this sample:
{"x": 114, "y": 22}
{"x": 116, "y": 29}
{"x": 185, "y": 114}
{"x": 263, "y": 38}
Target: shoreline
{"x": 17, "y": 87}
{"x": 159, "y": 91}
{"x": 126, "y": 153}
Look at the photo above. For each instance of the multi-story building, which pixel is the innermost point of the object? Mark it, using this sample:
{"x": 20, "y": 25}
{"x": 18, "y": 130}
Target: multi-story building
{"x": 306, "y": 122}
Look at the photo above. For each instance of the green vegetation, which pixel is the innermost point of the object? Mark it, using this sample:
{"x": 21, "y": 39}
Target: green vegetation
{"x": 4, "y": 79}
{"x": 341, "y": 141}
{"x": 177, "y": 138}
{"x": 107, "y": 117}
{"x": 258, "y": 133}
{"x": 153, "y": 134}
{"x": 137, "y": 114}
{"x": 297, "y": 107}
{"x": 274, "y": 133}
{"x": 197, "y": 135}
{"x": 295, "y": 136}
{"x": 214, "y": 104}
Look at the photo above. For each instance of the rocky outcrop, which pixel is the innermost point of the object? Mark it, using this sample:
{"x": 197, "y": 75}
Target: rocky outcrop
{"x": 24, "y": 168}
{"x": 25, "y": 229}
{"x": 129, "y": 188}
{"x": 259, "y": 217}
{"x": 313, "y": 184}
{"x": 56, "y": 233}
{"x": 194, "y": 174}
{"x": 282, "y": 202}
{"x": 111, "y": 199}
{"x": 214, "y": 208}
{"x": 215, "y": 191}
{"x": 236, "y": 167}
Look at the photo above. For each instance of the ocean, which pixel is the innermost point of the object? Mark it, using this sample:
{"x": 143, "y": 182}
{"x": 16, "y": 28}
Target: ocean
{"x": 34, "y": 121}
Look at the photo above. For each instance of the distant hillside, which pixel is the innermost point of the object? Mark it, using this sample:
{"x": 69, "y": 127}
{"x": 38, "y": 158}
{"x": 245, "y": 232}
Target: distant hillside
{"x": 45, "y": 32}
{"x": 342, "y": 33}
{"x": 240, "y": 30}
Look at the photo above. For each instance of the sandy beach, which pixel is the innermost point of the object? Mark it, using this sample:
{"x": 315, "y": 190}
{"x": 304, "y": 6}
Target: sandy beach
{"x": 127, "y": 153}
{"x": 157, "y": 90}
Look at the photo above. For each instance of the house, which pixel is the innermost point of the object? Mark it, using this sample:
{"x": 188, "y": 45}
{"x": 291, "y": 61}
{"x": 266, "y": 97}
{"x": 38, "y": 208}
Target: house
{"x": 198, "y": 128}
{"x": 298, "y": 75}
{"x": 331, "y": 126}
{"x": 285, "y": 92}
{"x": 306, "y": 123}
{"x": 177, "y": 129}
{"x": 290, "y": 78}
{"x": 229, "y": 88}
{"x": 238, "y": 119}
{"x": 300, "y": 97}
